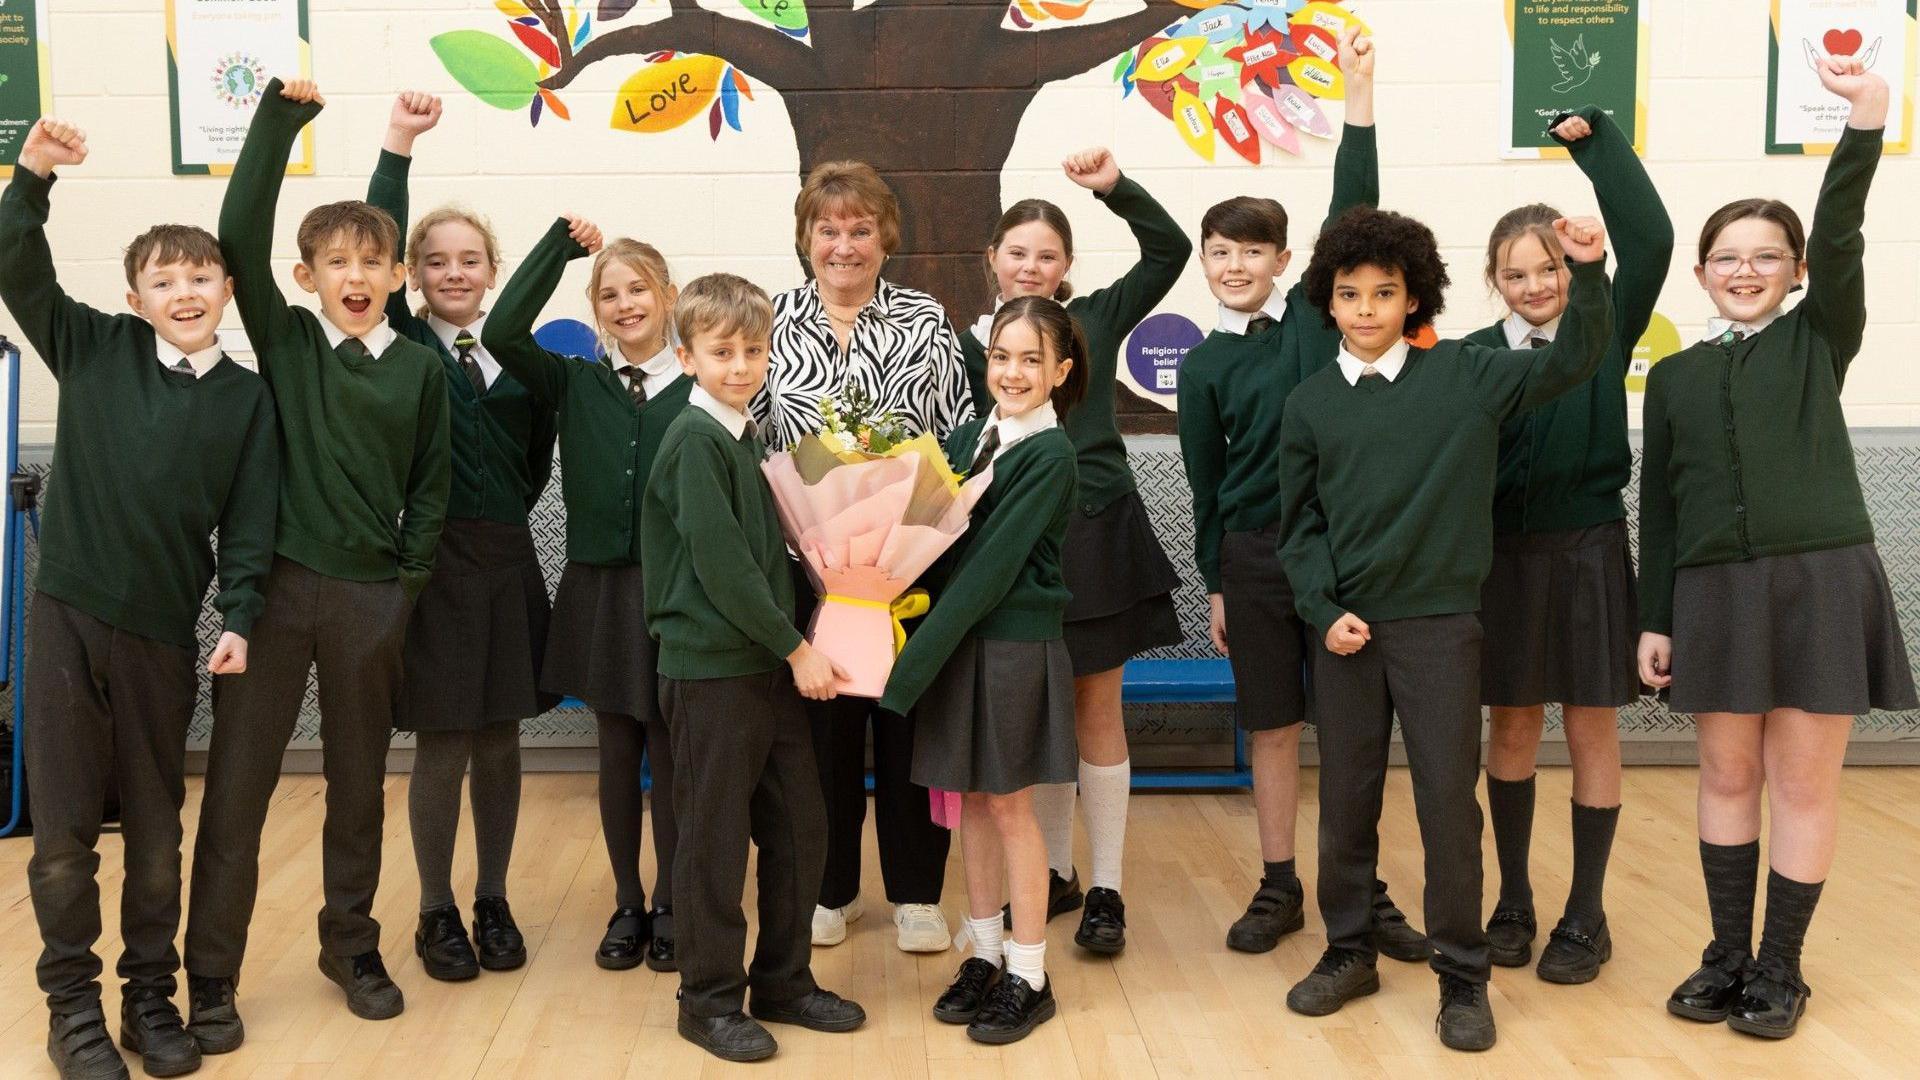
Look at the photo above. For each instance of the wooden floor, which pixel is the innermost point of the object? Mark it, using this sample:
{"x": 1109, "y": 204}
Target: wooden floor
{"x": 1177, "y": 1003}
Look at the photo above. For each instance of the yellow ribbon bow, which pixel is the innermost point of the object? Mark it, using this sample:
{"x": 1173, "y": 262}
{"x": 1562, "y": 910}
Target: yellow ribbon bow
{"x": 910, "y": 605}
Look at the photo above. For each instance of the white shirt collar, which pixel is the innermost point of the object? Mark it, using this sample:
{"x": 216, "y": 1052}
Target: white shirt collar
{"x": 656, "y": 372}
{"x": 1235, "y": 322}
{"x": 1014, "y": 428}
{"x": 201, "y": 361}
{"x": 376, "y": 340}
{"x": 1519, "y": 330}
{"x": 447, "y": 332}
{"x": 983, "y": 326}
{"x": 730, "y": 418}
{"x": 1717, "y": 326}
{"x": 1388, "y": 365}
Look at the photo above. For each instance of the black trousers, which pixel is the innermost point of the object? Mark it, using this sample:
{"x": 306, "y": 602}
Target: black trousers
{"x": 351, "y": 632}
{"x": 743, "y": 772}
{"x": 1428, "y": 671}
{"x": 104, "y": 704}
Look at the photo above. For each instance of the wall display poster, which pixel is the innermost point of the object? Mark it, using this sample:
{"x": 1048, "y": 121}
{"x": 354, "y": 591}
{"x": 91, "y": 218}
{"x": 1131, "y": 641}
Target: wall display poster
{"x": 1564, "y": 54}
{"x": 26, "y": 85}
{"x": 220, "y": 56}
{"x": 1802, "y": 118}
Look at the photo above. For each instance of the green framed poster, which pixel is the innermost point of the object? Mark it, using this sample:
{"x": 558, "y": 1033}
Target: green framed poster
{"x": 1563, "y": 54}
{"x": 1802, "y": 118}
{"x": 220, "y": 55}
{"x": 26, "y": 85}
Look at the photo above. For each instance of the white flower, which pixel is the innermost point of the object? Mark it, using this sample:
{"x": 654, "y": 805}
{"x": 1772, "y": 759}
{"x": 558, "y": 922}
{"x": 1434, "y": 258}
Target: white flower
{"x": 846, "y": 440}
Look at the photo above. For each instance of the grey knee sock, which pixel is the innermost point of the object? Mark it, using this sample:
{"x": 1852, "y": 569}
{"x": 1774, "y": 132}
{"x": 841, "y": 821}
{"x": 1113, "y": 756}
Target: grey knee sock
{"x": 494, "y": 789}
{"x": 1790, "y": 907}
{"x": 433, "y": 810}
{"x": 1732, "y": 871}
{"x": 1510, "y": 805}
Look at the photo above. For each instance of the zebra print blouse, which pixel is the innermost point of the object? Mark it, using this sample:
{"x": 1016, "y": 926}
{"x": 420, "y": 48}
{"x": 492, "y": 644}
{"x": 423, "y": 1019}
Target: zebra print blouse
{"x": 902, "y": 352}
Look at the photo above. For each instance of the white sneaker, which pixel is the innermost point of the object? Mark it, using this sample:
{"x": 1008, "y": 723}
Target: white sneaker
{"x": 830, "y": 924}
{"x": 922, "y": 928}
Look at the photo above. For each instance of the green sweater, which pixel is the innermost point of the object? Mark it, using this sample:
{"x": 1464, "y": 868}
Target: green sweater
{"x": 364, "y": 465}
{"x": 1563, "y": 465}
{"x": 1386, "y": 487}
{"x": 1746, "y": 450}
{"x": 719, "y": 591}
{"x": 1106, "y": 316}
{"x": 1234, "y": 387}
{"x": 1005, "y": 583}
{"x": 607, "y": 447}
{"x": 147, "y": 463}
{"x": 501, "y": 441}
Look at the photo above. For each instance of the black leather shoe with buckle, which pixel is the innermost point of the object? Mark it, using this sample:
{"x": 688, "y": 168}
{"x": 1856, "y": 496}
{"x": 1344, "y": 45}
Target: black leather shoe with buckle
{"x": 1708, "y": 994}
{"x": 1575, "y": 950}
{"x": 1510, "y": 936}
{"x": 625, "y": 943}
{"x": 660, "y": 952}
{"x": 1771, "y": 1003}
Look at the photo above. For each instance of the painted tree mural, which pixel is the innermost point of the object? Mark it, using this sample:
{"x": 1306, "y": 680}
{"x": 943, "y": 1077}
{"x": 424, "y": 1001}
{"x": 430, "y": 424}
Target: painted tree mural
{"x": 930, "y": 93}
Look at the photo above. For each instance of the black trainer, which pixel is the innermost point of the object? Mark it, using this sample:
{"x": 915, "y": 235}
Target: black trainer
{"x": 1771, "y": 1002}
{"x": 443, "y": 948}
{"x": 151, "y": 1027}
{"x": 1275, "y": 911}
{"x": 81, "y": 1049}
{"x": 1575, "y": 950}
{"x": 1341, "y": 976}
{"x": 1103, "y": 925}
{"x": 1063, "y": 895}
{"x": 1014, "y": 1008}
{"x": 625, "y": 942}
{"x": 213, "y": 1015}
{"x": 502, "y": 948}
{"x": 1393, "y": 936}
{"x": 1709, "y": 994}
{"x": 733, "y": 1037}
{"x": 821, "y": 1010}
{"x": 963, "y": 998}
{"x": 660, "y": 954}
{"x": 1510, "y": 936}
{"x": 1466, "y": 1016}
{"x": 371, "y": 995}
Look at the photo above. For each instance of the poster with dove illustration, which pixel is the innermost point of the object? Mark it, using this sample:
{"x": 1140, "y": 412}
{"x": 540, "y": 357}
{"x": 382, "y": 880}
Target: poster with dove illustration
{"x": 1802, "y": 118}
{"x": 1563, "y": 54}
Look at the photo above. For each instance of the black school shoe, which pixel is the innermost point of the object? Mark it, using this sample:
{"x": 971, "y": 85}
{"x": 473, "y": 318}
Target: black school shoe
{"x": 1771, "y": 1003}
{"x": 213, "y": 1015}
{"x": 81, "y": 1049}
{"x": 1013, "y": 1009}
{"x": 150, "y": 1026}
{"x": 371, "y": 995}
{"x": 1510, "y": 936}
{"x": 502, "y": 948}
{"x": 1275, "y": 912}
{"x": 1393, "y": 936}
{"x": 1466, "y": 1016}
{"x": 625, "y": 942}
{"x": 733, "y": 1037}
{"x": 1575, "y": 950}
{"x": 1063, "y": 895}
{"x": 1709, "y": 994}
{"x": 660, "y": 954}
{"x": 820, "y": 1010}
{"x": 1103, "y": 926}
{"x": 963, "y": 999}
{"x": 443, "y": 948}
{"x": 1341, "y": 976}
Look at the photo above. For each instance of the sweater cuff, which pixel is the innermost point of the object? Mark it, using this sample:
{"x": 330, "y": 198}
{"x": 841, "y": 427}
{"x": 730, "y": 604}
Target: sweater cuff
{"x": 558, "y": 233}
{"x": 239, "y": 622}
{"x": 414, "y": 582}
{"x": 32, "y": 184}
{"x": 392, "y": 165}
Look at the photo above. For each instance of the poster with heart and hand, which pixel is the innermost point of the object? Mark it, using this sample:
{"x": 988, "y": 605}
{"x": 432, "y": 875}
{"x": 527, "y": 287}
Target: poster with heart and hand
{"x": 1802, "y": 117}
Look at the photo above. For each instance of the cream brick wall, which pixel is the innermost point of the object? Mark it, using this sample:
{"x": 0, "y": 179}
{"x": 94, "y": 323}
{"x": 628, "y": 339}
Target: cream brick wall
{"x": 726, "y": 204}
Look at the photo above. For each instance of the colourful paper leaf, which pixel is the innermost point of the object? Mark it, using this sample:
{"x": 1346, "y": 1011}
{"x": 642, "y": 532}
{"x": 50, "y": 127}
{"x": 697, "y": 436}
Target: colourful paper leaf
{"x": 511, "y": 9}
{"x": 1317, "y": 77}
{"x": 1169, "y": 58}
{"x": 1219, "y": 25}
{"x": 785, "y": 14}
{"x": 1230, "y": 120}
{"x": 1332, "y": 18}
{"x": 541, "y": 45}
{"x": 554, "y": 104}
{"x": 1262, "y": 55}
{"x": 1302, "y": 112}
{"x": 1190, "y": 119}
{"x": 613, "y": 9}
{"x": 660, "y": 97}
{"x": 1267, "y": 120}
{"x": 1201, "y": 4}
{"x": 489, "y": 68}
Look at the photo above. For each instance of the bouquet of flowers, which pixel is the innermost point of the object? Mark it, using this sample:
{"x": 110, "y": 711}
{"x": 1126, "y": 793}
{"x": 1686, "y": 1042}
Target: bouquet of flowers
{"x": 867, "y": 510}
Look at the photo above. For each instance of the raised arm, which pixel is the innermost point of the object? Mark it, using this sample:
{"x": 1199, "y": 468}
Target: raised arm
{"x": 1836, "y": 300}
{"x": 1356, "y": 165}
{"x": 246, "y": 214}
{"x": 1164, "y": 246}
{"x": 61, "y": 329}
{"x": 1636, "y": 220}
{"x": 414, "y": 114}
{"x": 1512, "y": 381}
{"x": 428, "y": 483}
{"x": 247, "y": 521}
{"x": 508, "y": 332}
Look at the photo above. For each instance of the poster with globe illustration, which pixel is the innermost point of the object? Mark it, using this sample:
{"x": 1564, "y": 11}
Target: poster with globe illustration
{"x": 220, "y": 55}
{"x": 1569, "y": 53}
{"x": 1802, "y": 118}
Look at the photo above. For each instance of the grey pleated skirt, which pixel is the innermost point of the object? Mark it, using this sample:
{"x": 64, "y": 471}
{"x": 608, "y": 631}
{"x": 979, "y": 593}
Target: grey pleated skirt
{"x": 599, "y": 650}
{"x": 1562, "y": 619}
{"x": 1266, "y": 641}
{"x": 478, "y": 632}
{"x": 1122, "y": 585}
{"x": 1815, "y": 630}
{"x": 998, "y": 718}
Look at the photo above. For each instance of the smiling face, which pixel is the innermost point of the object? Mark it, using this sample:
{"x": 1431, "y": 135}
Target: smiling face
{"x": 1030, "y": 260}
{"x": 631, "y": 311}
{"x": 1241, "y": 273}
{"x": 452, "y": 271}
{"x": 845, "y": 251}
{"x": 1023, "y": 368}
{"x": 1370, "y": 305}
{"x": 183, "y": 301}
{"x": 1532, "y": 279}
{"x": 1749, "y": 270}
{"x": 730, "y": 365}
{"x": 352, "y": 275}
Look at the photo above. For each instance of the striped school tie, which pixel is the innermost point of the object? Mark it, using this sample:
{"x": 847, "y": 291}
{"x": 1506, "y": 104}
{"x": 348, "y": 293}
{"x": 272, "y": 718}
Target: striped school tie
{"x": 988, "y": 445}
{"x": 636, "y": 384}
{"x": 478, "y": 379}
{"x": 1259, "y": 324}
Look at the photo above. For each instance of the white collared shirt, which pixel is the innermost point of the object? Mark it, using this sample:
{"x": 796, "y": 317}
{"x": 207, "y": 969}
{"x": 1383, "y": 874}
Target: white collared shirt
{"x": 656, "y": 373}
{"x": 1717, "y": 326}
{"x": 983, "y": 326}
{"x": 730, "y": 418}
{"x": 447, "y": 332}
{"x": 1519, "y": 330}
{"x": 1014, "y": 428}
{"x": 1388, "y": 365}
{"x": 1235, "y": 322}
{"x": 376, "y": 340}
{"x": 201, "y": 361}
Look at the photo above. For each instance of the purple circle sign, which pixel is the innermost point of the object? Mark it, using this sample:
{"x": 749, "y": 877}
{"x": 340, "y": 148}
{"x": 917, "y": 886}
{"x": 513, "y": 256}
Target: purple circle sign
{"x": 1155, "y": 350}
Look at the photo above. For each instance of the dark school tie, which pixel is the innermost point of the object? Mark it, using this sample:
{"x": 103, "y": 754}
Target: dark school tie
{"x": 1258, "y": 325}
{"x": 184, "y": 366}
{"x": 636, "y": 384}
{"x": 1734, "y": 337}
{"x": 465, "y": 342}
{"x": 353, "y": 349}
{"x": 984, "y": 457}
{"x": 1538, "y": 343}
{"x": 750, "y": 431}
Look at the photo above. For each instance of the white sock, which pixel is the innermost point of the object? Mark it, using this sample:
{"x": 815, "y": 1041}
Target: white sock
{"x": 1053, "y": 805}
{"x": 988, "y": 934}
{"x": 1029, "y": 962}
{"x": 1103, "y": 805}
